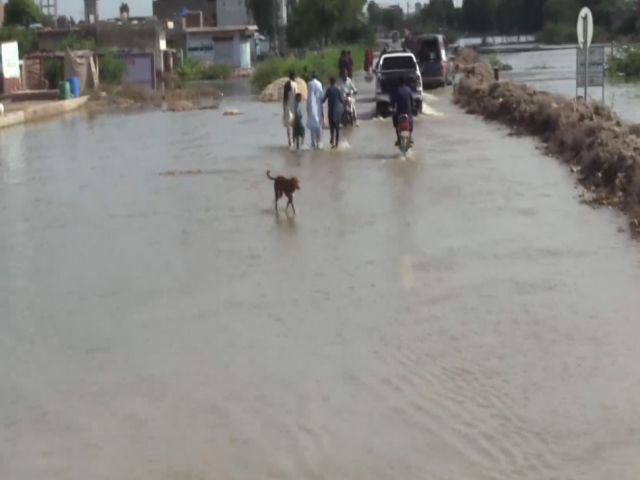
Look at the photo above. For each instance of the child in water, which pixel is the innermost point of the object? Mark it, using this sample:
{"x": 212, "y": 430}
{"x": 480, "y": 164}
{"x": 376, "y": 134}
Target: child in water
{"x": 298, "y": 125}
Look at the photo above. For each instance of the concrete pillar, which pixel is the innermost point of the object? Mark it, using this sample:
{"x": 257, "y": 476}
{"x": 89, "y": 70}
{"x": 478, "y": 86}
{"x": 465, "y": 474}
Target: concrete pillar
{"x": 236, "y": 49}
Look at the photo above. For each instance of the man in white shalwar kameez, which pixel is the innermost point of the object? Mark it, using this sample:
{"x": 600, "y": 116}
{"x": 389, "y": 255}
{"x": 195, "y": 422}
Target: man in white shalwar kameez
{"x": 314, "y": 110}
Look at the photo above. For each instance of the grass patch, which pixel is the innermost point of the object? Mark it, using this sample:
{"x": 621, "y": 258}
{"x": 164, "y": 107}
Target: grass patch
{"x": 324, "y": 64}
{"x": 557, "y": 33}
{"x": 112, "y": 68}
{"x": 191, "y": 70}
{"x": 625, "y": 62}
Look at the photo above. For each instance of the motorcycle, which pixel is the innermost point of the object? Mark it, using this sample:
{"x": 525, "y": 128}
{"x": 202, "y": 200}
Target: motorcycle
{"x": 404, "y": 130}
{"x": 349, "y": 114}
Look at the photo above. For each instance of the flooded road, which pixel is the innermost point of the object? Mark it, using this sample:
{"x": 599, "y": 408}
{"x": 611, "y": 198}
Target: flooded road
{"x": 555, "y": 71}
{"x": 456, "y": 315}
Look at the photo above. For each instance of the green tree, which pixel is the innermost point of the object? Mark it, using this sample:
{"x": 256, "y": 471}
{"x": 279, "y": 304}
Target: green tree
{"x": 479, "y": 15}
{"x": 320, "y": 20}
{"x": 124, "y": 9}
{"x": 263, "y": 12}
{"x": 439, "y": 12}
{"x": 392, "y": 18}
{"x": 561, "y": 11}
{"x": 25, "y": 38}
{"x": 374, "y": 13}
{"x": 21, "y": 13}
{"x": 111, "y": 69}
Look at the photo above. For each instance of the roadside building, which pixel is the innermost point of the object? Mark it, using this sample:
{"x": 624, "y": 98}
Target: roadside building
{"x": 219, "y": 31}
{"x": 225, "y": 45}
{"x": 141, "y": 43}
{"x": 233, "y": 12}
{"x": 174, "y": 9}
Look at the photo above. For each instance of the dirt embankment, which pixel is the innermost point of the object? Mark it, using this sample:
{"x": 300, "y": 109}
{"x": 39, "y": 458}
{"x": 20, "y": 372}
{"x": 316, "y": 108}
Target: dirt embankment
{"x": 129, "y": 98}
{"x": 602, "y": 150}
{"x": 274, "y": 92}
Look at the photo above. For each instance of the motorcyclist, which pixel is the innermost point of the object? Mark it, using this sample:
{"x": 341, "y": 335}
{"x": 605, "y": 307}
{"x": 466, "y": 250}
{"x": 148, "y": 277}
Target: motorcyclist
{"x": 402, "y": 104}
{"x": 348, "y": 87}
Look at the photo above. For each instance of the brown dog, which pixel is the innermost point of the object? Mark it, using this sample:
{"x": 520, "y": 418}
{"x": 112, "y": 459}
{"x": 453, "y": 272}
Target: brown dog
{"x": 284, "y": 186}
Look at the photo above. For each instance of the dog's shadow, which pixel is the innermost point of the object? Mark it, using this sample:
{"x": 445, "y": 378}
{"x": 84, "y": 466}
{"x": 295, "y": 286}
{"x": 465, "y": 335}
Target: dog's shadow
{"x": 281, "y": 218}
{"x": 285, "y": 219}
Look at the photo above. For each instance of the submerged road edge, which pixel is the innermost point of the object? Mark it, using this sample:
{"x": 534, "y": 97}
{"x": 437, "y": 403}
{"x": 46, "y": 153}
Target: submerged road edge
{"x": 42, "y": 111}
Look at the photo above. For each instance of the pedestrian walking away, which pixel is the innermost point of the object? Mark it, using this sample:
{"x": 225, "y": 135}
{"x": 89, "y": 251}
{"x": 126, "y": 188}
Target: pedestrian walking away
{"x": 368, "y": 60}
{"x": 343, "y": 64}
{"x": 288, "y": 99}
{"x": 333, "y": 97}
{"x": 298, "y": 124}
{"x": 314, "y": 110}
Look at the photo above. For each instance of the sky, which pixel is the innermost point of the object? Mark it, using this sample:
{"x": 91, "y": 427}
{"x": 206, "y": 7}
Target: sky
{"x": 139, "y": 8}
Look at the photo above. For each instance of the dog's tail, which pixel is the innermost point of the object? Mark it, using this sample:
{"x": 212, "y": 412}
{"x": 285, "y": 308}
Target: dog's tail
{"x": 269, "y": 175}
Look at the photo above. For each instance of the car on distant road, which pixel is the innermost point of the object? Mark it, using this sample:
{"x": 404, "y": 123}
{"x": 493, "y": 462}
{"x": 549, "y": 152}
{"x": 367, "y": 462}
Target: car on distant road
{"x": 390, "y": 68}
{"x": 435, "y": 67}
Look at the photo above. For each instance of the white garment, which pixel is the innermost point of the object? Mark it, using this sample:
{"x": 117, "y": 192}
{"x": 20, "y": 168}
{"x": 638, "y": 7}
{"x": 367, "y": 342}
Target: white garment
{"x": 347, "y": 86}
{"x": 314, "y": 104}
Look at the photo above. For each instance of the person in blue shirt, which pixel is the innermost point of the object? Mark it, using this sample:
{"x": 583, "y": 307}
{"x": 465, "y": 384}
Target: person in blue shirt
{"x": 402, "y": 104}
{"x": 333, "y": 97}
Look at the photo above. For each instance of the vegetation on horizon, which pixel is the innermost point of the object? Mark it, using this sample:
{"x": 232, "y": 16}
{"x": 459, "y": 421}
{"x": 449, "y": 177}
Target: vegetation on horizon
{"x": 21, "y": 13}
{"x": 192, "y": 69}
{"x": 324, "y": 64}
{"x": 25, "y": 38}
{"x": 553, "y": 19}
{"x": 317, "y": 23}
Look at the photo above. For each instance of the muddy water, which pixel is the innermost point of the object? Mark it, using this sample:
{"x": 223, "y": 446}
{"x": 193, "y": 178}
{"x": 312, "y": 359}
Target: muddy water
{"x": 555, "y": 71}
{"x": 456, "y": 315}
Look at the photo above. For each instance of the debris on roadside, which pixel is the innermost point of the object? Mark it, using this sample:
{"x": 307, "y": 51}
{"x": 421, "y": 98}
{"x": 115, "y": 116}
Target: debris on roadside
{"x": 180, "y": 106}
{"x": 130, "y": 98}
{"x": 174, "y": 173}
{"x": 598, "y": 147}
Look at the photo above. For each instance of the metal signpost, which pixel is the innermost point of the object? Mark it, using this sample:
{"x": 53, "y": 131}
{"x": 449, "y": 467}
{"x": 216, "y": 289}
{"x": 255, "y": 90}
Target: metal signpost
{"x": 591, "y": 74}
{"x": 590, "y": 60}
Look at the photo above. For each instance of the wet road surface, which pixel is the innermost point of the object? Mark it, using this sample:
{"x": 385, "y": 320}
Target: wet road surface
{"x": 455, "y": 315}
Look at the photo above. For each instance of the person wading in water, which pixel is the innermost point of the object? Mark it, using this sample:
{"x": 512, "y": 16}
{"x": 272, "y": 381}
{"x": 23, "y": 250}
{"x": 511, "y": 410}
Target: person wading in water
{"x": 288, "y": 101}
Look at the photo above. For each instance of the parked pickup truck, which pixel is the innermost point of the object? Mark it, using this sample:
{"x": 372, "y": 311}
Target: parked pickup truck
{"x": 390, "y": 68}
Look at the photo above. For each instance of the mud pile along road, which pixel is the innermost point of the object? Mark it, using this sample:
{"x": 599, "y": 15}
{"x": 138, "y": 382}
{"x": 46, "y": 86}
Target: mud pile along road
{"x": 458, "y": 315}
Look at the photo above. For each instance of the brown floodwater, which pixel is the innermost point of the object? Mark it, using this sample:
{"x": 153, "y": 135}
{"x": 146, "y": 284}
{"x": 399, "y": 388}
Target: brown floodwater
{"x": 458, "y": 314}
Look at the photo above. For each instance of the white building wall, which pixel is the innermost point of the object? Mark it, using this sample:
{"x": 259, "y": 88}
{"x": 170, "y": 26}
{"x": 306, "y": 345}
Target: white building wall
{"x": 233, "y": 12}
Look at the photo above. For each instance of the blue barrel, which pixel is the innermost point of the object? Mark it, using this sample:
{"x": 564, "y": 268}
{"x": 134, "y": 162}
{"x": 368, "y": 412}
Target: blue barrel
{"x": 73, "y": 86}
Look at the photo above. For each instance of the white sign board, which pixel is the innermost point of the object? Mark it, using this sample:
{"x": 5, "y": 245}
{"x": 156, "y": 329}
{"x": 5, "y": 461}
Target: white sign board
{"x": 202, "y": 49}
{"x": 595, "y": 73}
{"x": 10, "y": 60}
{"x": 585, "y": 27}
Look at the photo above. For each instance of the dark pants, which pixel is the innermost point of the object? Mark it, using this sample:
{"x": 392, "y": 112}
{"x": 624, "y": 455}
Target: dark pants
{"x": 334, "y": 127}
